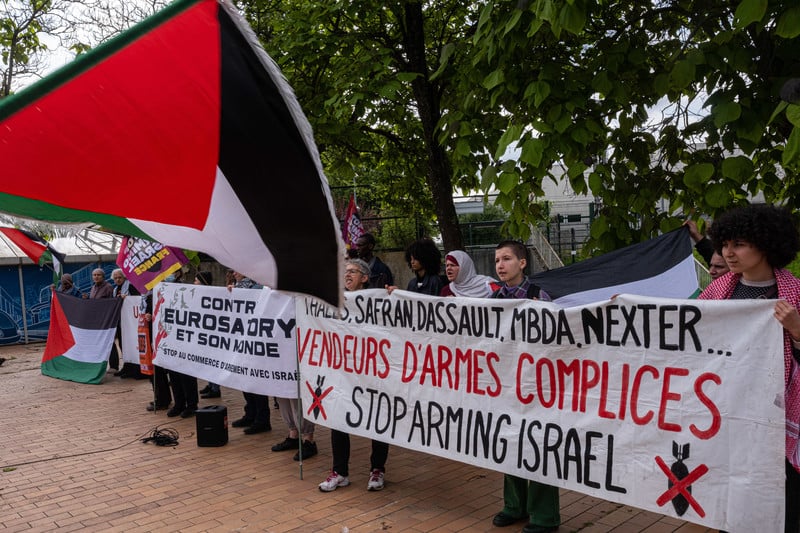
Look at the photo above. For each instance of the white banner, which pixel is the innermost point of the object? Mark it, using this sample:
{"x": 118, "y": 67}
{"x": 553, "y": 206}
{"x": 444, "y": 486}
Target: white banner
{"x": 243, "y": 339}
{"x": 128, "y": 322}
{"x": 667, "y": 405}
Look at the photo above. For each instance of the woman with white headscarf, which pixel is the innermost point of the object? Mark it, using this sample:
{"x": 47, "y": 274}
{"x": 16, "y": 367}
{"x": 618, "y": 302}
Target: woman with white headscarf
{"x": 464, "y": 281}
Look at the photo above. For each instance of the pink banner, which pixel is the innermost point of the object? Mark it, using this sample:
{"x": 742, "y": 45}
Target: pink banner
{"x": 146, "y": 263}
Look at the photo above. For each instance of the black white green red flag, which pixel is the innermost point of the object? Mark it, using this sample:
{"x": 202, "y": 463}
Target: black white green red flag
{"x": 80, "y": 337}
{"x": 37, "y": 249}
{"x": 661, "y": 267}
{"x": 190, "y": 117}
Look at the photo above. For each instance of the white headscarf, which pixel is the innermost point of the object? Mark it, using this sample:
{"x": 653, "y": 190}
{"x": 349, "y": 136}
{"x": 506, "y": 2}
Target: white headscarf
{"x": 467, "y": 282}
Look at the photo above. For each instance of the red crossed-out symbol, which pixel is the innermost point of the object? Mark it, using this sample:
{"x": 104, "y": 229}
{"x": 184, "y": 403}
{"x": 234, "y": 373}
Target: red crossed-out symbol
{"x": 680, "y": 485}
{"x": 317, "y": 403}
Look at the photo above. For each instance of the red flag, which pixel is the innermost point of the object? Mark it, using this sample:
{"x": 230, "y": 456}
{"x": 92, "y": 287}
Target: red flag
{"x": 352, "y": 224}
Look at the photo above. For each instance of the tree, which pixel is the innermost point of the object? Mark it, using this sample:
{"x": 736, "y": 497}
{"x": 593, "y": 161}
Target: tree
{"x": 376, "y": 80}
{"x": 658, "y": 108}
{"x": 21, "y": 48}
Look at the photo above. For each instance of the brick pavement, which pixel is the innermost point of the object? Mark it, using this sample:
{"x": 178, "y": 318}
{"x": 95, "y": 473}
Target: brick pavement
{"x": 80, "y": 466}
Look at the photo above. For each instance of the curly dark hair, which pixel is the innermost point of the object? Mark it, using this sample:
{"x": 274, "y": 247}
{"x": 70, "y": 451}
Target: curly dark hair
{"x": 771, "y": 229}
{"x": 426, "y": 252}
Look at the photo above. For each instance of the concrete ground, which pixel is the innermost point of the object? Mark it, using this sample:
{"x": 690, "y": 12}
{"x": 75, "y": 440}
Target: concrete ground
{"x": 71, "y": 459}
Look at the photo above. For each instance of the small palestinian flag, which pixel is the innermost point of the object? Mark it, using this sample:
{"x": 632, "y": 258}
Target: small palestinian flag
{"x": 188, "y": 110}
{"x": 39, "y": 250}
{"x": 661, "y": 267}
{"x": 80, "y": 337}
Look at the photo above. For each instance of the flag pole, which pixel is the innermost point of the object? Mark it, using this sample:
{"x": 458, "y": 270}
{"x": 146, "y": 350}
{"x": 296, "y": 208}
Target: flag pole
{"x": 22, "y": 301}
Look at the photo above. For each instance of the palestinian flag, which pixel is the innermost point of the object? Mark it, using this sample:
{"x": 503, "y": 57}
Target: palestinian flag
{"x": 80, "y": 337}
{"x": 188, "y": 110}
{"x": 39, "y": 250}
{"x": 662, "y": 267}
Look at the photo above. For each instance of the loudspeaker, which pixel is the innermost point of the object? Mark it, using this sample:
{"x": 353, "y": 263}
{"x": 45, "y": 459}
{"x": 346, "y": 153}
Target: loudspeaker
{"x": 212, "y": 425}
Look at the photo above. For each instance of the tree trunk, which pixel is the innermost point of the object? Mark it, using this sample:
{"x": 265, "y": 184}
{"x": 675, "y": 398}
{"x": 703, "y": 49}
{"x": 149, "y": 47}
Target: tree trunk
{"x": 440, "y": 171}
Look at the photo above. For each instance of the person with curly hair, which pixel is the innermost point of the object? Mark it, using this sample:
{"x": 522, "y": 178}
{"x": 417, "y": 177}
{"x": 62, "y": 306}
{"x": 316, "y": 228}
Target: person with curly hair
{"x": 425, "y": 259}
{"x": 757, "y": 242}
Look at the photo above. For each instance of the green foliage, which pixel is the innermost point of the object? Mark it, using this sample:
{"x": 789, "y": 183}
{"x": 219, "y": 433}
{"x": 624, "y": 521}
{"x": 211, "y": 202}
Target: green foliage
{"x": 20, "y": 26}
{"x": 668, "y": 102}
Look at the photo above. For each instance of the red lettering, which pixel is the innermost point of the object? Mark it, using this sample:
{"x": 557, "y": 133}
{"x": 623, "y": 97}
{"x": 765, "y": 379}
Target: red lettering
{"x": 586, "y": 382}
{"x": 551, "y": 377}
{"x": 428, "y": 368}
{"x": 668, "y": 396}
{"x": 716, "y": 418}
{"x": 408, "y": 350}
{"x": 602, "y": 411}
{"x": 637, "y": 385}
{"x": 523, "y": 358}
{"x": 494, "y": 392}
{"x": 477, "y": 370}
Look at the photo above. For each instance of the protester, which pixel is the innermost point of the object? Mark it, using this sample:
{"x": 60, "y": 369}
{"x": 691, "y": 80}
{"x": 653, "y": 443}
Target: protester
{"x": 256, "y": 406}
{"x": 67, "y": 286}
{"x": 158, "y": 378}
{"x": 717, "y": 266}
{"x": 425, "y": 260}
{"x": 122, "y": 288}
{"x": 100, "y": 288}
{"x": 184, "y": 386}
{"x": 356, "y": 278}
{"x": 757, "y": 242}
{"x": 523, "y": 498}
{"x": 290, "y": 411}
{"x": 464, "y": 281}
{"x": 380, "y": 275}
{"x": 211, "y": 390}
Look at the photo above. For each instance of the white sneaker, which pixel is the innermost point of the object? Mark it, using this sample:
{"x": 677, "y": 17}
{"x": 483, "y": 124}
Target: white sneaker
{"x": 333, "y": 482}
{"x": 375, "y": 480}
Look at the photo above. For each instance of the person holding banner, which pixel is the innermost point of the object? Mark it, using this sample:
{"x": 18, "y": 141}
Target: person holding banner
{"x": 356, "y": 277}
{"x": 122, "y": 288}
{"x": 523, "y": 498}
{"x": 256, "y": 406}
{"x": 757, "y": 241}
{"x": 211, "y": 390}
{"x": 464, "y": 281}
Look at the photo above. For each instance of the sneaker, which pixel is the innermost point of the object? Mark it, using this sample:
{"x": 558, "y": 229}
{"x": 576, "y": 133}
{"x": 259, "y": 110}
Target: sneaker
{"x": 333, "y": 482}
{"x": 375, "y": 480}
{"x": 205, "y": 390}
{"x": 188, "y": 412}
{"x": 210, "y": 394}
{"x": 309, "y": 450}
{"x": 287, "y": 444}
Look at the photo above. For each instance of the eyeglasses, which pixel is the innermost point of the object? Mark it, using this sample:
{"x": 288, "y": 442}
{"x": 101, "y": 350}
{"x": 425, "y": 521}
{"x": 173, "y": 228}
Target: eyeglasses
{"x": 352, "y": 271}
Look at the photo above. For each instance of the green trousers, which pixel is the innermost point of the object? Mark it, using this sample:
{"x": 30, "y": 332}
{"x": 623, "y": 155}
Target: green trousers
{"x": 524, "y": 497}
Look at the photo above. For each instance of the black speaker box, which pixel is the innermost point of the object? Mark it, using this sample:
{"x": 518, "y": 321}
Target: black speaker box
{"x": 212, "y": 425}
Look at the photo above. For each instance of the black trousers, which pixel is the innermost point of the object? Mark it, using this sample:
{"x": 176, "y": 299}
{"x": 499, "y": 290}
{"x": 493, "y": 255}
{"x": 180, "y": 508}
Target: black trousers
{"x": 340, "y": 447}
{"x": 256, "y": 408}
{"x": 184, "y": 390}
{"x": 792, "y": 499}
{"x": 160, "y": 383}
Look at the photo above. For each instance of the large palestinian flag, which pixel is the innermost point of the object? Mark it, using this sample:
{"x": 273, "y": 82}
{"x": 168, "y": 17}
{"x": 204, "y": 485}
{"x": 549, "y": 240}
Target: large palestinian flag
{"x": 662, "y": 267}
{"x": 180, "y": 131}
{"x": 80, "y": 337}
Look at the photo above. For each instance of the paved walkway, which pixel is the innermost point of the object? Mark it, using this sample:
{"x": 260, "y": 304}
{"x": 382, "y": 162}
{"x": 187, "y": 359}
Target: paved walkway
{"x": 71, "y": 459}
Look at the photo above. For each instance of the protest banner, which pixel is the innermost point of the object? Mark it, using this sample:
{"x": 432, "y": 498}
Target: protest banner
{"x": 666, "y": 405}
{"x": 129, "y": 337}
{"x": 242, "y": 338}
{"x": 145, "y": 263}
